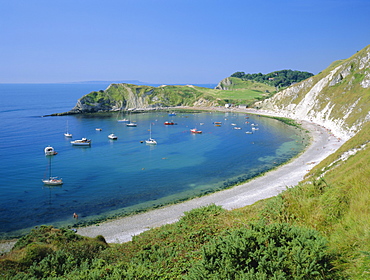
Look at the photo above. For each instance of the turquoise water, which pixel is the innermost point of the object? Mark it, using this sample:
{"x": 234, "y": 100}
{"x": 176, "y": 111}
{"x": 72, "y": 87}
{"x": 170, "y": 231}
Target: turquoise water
{"x": 112, "y": 178}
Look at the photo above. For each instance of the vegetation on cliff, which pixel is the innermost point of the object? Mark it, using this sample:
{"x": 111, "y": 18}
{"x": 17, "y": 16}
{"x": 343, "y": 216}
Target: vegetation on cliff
{"x": 282, "y": 78}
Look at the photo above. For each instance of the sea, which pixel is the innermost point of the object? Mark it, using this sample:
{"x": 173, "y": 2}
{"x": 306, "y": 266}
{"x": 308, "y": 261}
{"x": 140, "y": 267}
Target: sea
{"x": 113, "y": 178}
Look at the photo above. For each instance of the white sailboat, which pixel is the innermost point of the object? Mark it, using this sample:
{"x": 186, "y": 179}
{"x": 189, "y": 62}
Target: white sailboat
{"x": 67, "y": 134}
{"x": 151, "y": 141}
{"x": 52, "y": 181}
{"x": 124, "y": 120}
{"x": 130, "y": 123}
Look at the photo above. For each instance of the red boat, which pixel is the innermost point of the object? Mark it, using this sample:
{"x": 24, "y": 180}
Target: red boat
{"x": 194, "y": 130}
{"x": 169, "y": 123}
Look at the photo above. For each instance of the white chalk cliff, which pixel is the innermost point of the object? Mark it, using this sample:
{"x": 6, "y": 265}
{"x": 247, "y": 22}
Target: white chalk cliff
{"x": 337, "y": 98}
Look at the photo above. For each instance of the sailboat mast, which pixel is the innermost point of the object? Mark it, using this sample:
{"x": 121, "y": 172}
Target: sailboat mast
{"x": 49, "y": 168}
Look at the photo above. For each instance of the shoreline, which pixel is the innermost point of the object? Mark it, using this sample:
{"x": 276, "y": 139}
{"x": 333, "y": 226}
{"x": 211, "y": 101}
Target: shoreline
{"x": 322, "y": 144}
{"x": 120, "y": 230}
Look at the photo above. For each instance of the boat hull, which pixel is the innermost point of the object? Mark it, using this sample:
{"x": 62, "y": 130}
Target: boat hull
{"x": 112, "y": 137}
{"x": 151, "y": 142}
{"x": 80, "y": 144}
{"x": 52, "y": 182}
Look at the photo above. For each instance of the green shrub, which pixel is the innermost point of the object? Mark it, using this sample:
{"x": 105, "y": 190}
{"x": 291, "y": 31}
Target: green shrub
{"x": 35, "y": 253}
{"x": 276, "y": 251}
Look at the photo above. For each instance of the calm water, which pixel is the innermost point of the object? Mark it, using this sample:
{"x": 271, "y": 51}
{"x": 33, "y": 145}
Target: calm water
{"x": 116, "y": 177}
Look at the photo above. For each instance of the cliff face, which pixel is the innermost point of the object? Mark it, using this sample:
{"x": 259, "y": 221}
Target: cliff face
{"x": 337, "y": 98}
{"x": 127, "y": 96}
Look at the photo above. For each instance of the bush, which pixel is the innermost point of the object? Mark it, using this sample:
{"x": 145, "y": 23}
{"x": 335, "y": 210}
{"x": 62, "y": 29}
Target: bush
{"x": 276, "y": 251}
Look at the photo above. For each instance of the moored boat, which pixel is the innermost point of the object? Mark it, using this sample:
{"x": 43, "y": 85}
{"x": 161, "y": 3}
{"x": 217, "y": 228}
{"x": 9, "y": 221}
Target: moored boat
{"x": 151, "y": 141}
{"x": 112, "y": 136}
{"x": 49, "y": 151}
{"x": 169, "y": 123}
{"x": 131, "y": 124}
{"x": 81, "y": 142}
{"x": 194, "y": 130}
{"x": 123, "y": 120}
{"x": 67, "y": 134}
{"x": 52, "y": 181}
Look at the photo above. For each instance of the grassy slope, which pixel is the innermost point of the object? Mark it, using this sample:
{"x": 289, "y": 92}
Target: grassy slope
{"x": 243, "y": 92}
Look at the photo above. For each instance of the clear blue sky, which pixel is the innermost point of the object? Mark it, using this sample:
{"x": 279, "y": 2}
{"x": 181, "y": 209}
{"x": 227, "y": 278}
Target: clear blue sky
{"x": 174, "y": 41}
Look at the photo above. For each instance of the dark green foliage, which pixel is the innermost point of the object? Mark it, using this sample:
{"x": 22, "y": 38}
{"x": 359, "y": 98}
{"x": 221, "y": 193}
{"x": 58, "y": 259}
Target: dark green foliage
{"x": 281, "y": 78}
{"x": 50, "y": 252}
{"x": 48, "y": 235}
{"x": 35, "y": 253}
{"x": 276, "y": 251}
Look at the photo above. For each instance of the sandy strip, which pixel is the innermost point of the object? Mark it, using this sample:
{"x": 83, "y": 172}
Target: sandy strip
{"x": 274, "y": 182}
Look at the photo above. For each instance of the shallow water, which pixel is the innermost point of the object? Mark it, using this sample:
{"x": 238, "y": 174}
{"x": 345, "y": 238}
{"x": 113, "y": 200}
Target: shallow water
{"x": 116, "y": 177}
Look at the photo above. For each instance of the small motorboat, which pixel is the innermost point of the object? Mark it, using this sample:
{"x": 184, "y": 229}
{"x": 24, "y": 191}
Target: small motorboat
{"x": 194, "y": 130}
{"x": 49, "y": 151}
{"x": 112, "y": 136}
{"x": 81, "y": 142}
{"x": 169, "y": 123}
{"x": 98, "y": 129}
